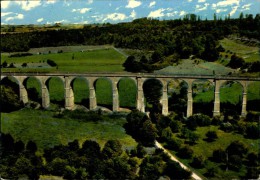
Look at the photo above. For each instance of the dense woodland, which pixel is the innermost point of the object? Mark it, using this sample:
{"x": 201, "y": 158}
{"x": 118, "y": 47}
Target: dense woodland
{"x": 190, "y": 35}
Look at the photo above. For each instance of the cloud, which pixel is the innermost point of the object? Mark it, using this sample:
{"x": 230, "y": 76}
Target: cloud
{"x": 40, "y": 20}
{"x": 51, "y": 1}
{"x": 152, "y": 4}
{"x": 18, "y": 16}
{"x": 90, "y": 1}
{"x": 227, "y": 3}
{"x": 221, "y": 10}
{"x": 82, "y": 11}
{"x": 133, "y": 14}
{"x": 246, "y": 7}
{"x": 189, "y": 0}
{"x": 28, "y": 5}
{"x": 171, "y": 14}
{"x": 5, "y": 4}
{"x": 156, "y": 13}
{"x": 133, "y": 4}
{"x": 61, "y": 21}
{"x": 233, "y": 11}
{"x": 201, "y": 1}
{"x": 182, "y": 13}
{"x": 5, "y": 13}
{"x": 115, "y": 17}
{"x": 202, "y": 8}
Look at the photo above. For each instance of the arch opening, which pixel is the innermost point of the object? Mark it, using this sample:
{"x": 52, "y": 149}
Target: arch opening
{"x": 80, "y": 88}
{"x": 56, "y": 91}
{"x": 104, "y": 94}
{"x": 253, "y": 96}
{"x": 231, "y": 94}
{"x": 127, "y": 91}
{"x": 177, "y": 96}
{"x": 153, "y": 91}
{"x": 10, "y": 95}
{"x": 34, "y": 89}
{"x": 203, "y": 97}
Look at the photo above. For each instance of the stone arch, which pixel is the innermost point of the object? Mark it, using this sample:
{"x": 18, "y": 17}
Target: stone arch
{"x": 253, "y": 96}
{"x": 203, "y": 96}
{"x": 56, "y": 89}
{"x": 33, "y": 85}
{"x": 177, "y": 96}
{"x": 127, "y": 92}
{"x": 80, "y": 86}
{"x": 104, "y": 92}
{"x": 146, "y": 83}
{"x": 231, "y": 97}
{"x": 14, "y": 82}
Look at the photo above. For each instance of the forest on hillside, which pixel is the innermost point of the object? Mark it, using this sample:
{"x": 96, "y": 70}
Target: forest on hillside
{"x": 186, "y": 36}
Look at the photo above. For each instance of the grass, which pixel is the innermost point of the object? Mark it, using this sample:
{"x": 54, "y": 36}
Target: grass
{"x": 249, "y": 53}
{"x": 47, "y": 131}
{"x": 206, "y": 149}
{"x": 100, "y": 60}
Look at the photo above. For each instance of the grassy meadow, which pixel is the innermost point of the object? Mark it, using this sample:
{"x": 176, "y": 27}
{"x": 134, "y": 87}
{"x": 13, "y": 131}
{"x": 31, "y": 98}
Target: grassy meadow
{"x": 47, "y": 131}
{"x": 249, "y": 53}
{"x": 99, "y": 60}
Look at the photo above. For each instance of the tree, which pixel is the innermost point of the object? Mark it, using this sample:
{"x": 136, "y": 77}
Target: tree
{"x": 112, "y": 148}
{"x": 236, "y": 62}
{"x": 10, "y": 101}
{"x": 237, "y": 148}
{"x": 24, "y": 65}
{"x": 4, "y": 64}
{"x": 31, "y": 147}
{"x": 219, "y": 155}
{"x": 198, "y": 161}
{"x": 148, "y": 133}
{"x": 185, "y": 152}
{"x": 167, "y": 134}
{"x": 175, "y": 171}
{"x": 90, "y": 149}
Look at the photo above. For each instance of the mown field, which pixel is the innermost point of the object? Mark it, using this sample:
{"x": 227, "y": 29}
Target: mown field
{"x": 41, "y": 127}
{"x": 99, "y": 60}
{"x": 249, "y": 53}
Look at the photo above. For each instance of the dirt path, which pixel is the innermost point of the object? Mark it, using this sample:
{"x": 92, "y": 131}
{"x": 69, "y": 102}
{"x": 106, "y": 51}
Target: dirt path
{"x": 124, "y": 54}
{"x": 193, "y": 175}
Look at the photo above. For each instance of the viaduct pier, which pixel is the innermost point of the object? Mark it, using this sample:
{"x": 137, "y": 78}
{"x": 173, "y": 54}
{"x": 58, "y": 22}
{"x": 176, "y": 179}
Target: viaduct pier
{"x": 138, "y": 78}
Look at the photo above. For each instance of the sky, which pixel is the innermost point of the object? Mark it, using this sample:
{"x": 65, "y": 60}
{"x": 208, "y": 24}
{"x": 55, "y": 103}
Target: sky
{"x": 115, "y": 11}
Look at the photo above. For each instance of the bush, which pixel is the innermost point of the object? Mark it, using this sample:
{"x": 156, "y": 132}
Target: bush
{"x": 219, "y": 155}
{"x": 252, "y": 131}
{"x": 51, "y": 63}
{"x": 227, "y": 127}
{"x": 166, "y": 134}
{"x": 235, "y": 162}
{"x": 174, "y": 144}
{"x": 237, "y": 148}
{"x": 198, "y": 120}
{"x": 212, "y": 135}
{"x": 217, "y": 120}
{"x": 185, "y": 152}
{"x": 198, "y": 161}
{"x": 21, "y": 54}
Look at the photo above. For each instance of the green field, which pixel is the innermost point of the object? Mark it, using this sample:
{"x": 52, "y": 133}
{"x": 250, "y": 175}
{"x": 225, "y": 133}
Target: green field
{"x": 101, "y": 60}
{"x": 249, "y": 53}
{"x": 47, "y": 131}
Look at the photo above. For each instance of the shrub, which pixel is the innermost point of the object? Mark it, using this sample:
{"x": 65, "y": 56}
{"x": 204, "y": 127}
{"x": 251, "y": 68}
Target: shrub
{"x": 175, "y": 126}
{"x": 219, "y": 155}
{"x": 51, "y": 63}
{"x": 235, "y": 162}
{"x": 166, "y": 134}
{"x": 198, "y": 120}
{"x": 237, "y": 148}
{"x": 198, "y": 161}
{"x": 185, "y": 152}
{"x": 227, "y": 127}
{"x": 252, "y": 131}
{"x": 217, "y": 120}
{"x": 212, "y": 135}
{"x": 174, "y": 144}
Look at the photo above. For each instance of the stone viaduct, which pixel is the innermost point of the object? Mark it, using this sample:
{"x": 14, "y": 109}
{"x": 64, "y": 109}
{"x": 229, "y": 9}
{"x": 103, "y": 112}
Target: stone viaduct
{"x": 138, "y": 78}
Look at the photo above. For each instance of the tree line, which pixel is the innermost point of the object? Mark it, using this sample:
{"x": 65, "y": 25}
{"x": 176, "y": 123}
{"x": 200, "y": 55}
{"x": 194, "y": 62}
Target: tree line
{"x": 186, "y": 36}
